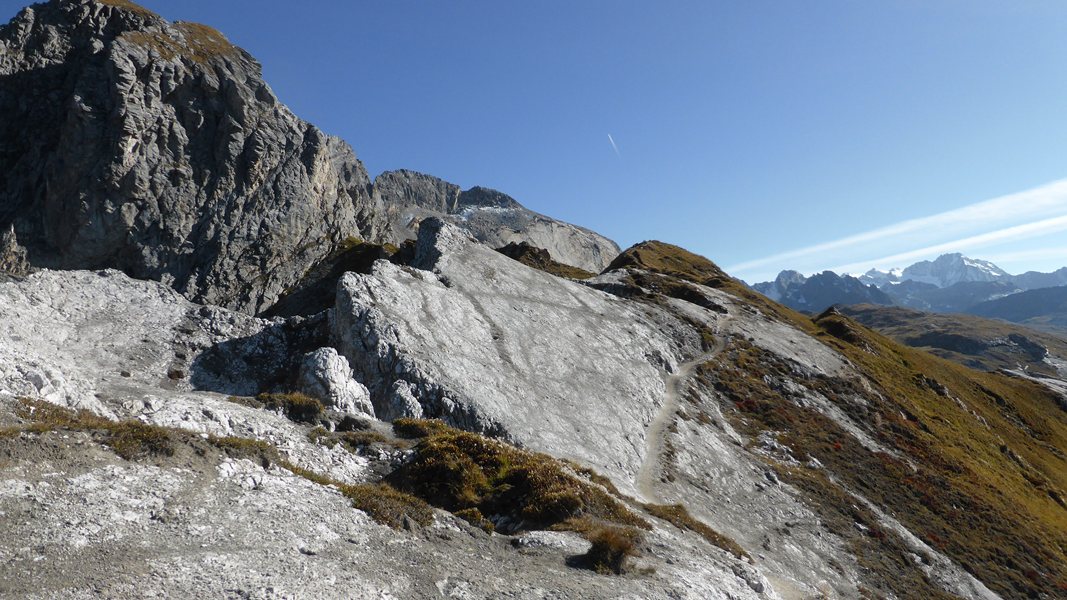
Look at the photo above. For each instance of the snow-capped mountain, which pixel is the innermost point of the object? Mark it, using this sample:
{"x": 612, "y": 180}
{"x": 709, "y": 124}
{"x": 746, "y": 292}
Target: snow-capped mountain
{"x": 879, "y": 278}
{"x": 950, "y": 269}
{"x": 946, "y": 270}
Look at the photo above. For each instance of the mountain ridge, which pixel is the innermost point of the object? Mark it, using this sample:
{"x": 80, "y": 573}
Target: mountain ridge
{"x": 442, "y": 417}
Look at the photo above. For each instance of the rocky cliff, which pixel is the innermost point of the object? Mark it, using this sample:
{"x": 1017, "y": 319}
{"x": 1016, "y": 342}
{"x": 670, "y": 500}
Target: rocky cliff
{"x": 156, "y": 148}
{"x": 492, "y": 217}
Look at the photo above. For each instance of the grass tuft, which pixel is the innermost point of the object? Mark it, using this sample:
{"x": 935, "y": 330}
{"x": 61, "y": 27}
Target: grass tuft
{"x": 611, "y": 548}
{"x": 419, "y": 428}
{"x": 387, "y": 505}
{"x": 296, "y": 406}
{"x": 677, "y": 515}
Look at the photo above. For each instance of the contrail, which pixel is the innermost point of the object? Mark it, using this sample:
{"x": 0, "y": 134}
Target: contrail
{"x": 1037, "y": 204}
{"x": 613, "y": 146}
{"x": 1007, "y": 234}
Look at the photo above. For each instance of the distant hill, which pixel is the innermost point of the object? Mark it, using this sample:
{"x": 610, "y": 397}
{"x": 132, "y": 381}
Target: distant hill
{"x": 976, "y": 342}
{"x": 1044, "y": 308}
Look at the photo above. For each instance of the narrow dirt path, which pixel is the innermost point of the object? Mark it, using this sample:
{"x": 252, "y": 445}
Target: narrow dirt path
{"x": 649, "y": 474}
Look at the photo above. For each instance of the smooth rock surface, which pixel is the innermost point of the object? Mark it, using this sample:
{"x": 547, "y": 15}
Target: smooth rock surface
{"x": 568, "y": 369}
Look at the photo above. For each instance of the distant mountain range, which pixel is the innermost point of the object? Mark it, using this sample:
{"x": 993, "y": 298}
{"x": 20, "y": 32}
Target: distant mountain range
{"x": 952, "y": 283}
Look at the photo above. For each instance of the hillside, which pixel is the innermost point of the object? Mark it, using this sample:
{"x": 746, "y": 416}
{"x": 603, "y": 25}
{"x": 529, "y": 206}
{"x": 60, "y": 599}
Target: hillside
{"x": 1043, "y": 308}
{"x": 980, "y": 343}
{"x": 465, "y": 414}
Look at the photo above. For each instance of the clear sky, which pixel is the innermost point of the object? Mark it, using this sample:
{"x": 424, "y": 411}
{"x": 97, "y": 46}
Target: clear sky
{"x": 754, "y": 132}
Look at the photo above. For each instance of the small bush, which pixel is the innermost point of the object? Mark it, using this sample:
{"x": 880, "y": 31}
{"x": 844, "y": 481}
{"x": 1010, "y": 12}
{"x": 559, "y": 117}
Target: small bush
{"x": 419, "y": 428}
{"x": 362, "y": 439}
{"x": 611, "y": 548}
{"x": 296, "y": 406}
{"x": 388, "y": 505}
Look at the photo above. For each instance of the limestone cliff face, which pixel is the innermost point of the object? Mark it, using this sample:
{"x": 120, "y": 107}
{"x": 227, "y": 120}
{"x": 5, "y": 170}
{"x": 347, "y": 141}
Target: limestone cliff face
{"x": 492, "y": 217}
{"x": 156, "y": 148}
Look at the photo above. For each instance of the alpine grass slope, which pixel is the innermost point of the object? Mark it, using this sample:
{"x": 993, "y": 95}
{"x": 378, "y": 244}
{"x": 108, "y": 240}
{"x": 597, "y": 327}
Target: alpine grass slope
{"x": 435, "y": 418}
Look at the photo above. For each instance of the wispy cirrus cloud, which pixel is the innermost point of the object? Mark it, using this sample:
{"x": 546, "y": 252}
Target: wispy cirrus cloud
{"x": 1038, "y": 211}
{"x": 1007, "y": 234}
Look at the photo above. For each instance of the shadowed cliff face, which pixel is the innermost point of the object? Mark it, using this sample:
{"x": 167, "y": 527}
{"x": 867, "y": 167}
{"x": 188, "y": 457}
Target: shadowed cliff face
{"x": 156, "y": 148}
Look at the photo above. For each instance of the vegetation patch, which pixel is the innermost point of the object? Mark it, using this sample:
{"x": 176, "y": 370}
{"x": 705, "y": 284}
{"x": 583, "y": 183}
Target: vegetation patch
{"x": 476, "y": 518}
{"x": 513, "y": 488}
{"x": 951, "y": 474}
{"x": 611, "y": 548}
{"x": 677, "y": 515}
{"x": 355, "y": 441}
{"x": 387, "y": 505}
{"x": 129, "y": 439}
{"x": 127, "y": 5}
{"x": 540, "y": 259}
{"x": 295, "y": 406}
{"x": 419, "y": 428}
{"x": 673, "y": 261}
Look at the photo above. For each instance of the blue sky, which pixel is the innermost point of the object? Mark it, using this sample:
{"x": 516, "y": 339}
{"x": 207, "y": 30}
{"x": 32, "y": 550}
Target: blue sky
{"x": 757, "y": 133}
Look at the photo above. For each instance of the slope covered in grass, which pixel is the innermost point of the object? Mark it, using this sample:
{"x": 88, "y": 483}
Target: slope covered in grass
{"x": 973, "y": 462}
{"x": 976, "y": 342}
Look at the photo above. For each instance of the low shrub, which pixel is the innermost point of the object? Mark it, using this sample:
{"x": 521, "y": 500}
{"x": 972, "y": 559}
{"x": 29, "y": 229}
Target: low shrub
{"x": 296, "y": 406}
{"x": 517, "y": 489}
{"x": 610, "y": 550}
{"x": 476, "y": 518}
{"x": 419, "y": 428}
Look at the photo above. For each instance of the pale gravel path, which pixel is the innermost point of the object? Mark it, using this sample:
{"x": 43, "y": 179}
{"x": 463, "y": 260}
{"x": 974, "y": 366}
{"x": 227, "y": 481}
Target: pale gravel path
{"x": 655, "y": 438}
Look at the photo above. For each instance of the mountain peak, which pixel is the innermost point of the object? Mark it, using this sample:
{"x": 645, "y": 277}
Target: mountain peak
{"x": 949, "y": 269}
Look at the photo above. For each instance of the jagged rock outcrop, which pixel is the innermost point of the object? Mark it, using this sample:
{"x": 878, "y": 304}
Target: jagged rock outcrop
{"x": 326, "y": 376}
{"x": 12, "y": 256}
{"x": 492, "y": 217}
{"x": 156, "y": 148}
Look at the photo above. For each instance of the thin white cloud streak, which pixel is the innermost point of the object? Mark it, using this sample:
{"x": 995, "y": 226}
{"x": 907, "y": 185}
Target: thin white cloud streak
{"x": 1008, "y": 234}
{"x": 1040, "y": 202}
{"x": 613, "y": 146}
{"x": 1037, "y": 254}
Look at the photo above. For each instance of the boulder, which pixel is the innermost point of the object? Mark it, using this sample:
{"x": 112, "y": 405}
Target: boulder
{"x": 325, "y": 375}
